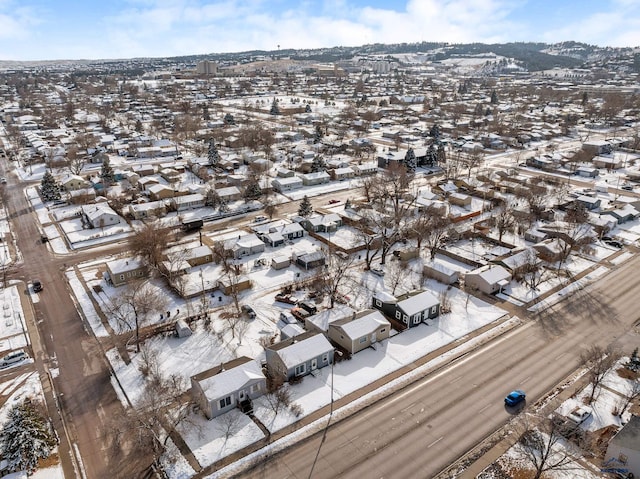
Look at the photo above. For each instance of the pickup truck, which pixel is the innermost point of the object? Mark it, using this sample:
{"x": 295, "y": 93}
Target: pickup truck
{"x": 300, "y": 314}
{"x": 285, "y": 298}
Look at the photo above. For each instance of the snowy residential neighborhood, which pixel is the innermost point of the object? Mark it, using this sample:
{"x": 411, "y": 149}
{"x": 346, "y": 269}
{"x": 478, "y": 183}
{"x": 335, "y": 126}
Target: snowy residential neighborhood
{"x": 238, "y": 268}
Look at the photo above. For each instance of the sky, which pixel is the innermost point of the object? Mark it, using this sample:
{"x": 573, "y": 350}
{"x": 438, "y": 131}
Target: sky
{"x": 108, "y": 29}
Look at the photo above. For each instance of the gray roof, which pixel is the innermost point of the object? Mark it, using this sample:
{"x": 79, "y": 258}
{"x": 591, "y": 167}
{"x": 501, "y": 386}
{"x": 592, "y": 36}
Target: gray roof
{"x": 302, "y": 351}
{"x": 418, "y": 303}
{"x": 629, "y": 436}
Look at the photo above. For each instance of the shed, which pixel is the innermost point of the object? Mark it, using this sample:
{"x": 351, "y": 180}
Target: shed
{"x": 182, "y": 329}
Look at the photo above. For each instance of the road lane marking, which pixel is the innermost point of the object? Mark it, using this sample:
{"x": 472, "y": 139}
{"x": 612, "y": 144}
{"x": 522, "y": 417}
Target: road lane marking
{"x": 435, "y": 442}
{"x": 485, "y": 408}
{"x": 525, "y": 380}
{"x": 408, "y": 407}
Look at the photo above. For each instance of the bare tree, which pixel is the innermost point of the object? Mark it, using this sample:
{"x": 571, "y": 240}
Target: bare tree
{"x": 533, "y": 274}
{"x": 334, "y": 276}
{"x": 396, "y": 274}
{"x": 630, "y": 396}
{"x": 543, "y": 446}
{"x": 504, "y": 220}
{"x": 149, "y": 242}
{"x": 135, "y": 305}
{"x": 599, "y": 361}
{"x": 146, "y": 427}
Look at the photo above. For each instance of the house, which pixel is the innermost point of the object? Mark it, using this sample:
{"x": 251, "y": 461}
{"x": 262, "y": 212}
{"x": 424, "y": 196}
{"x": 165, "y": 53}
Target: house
{"x": 552, "y": 249}
{"x": 244, "y": 245}
{"x": 230, "y": 385}
{"x": 159, "y": 192}
{"x": 320, "y": 223}
{"x": 146, "y": 181}
{"x": 152, "y": 209}
{"x": 100, "y": 215}
{"x": 623, "y": 214}
{"x": 298, "y": 356}
{"x": 320, "y": 321}
{"x": 312, "y": 260}
{"x": 365, "y": 169}
{"x": 198, "y": 255}
{"x": 411, "y": 308}
{"x": 317, "y": 178}
{"x": 120, "y": 271}
{"x": 73, "y": 182}
{"x": 283, "y": 185}
{"x": 623, "y": 450}
{"x": 360, "y": 331}
{"x": 589, "y": 202}
{"x": 587, "y": 171}
{"x": 185, "y": 202}
{"x": 488, "y": 279}
{"x": 518, "y": 262}
{"x": 598, "y": 147}
{"x": 229, "y": 193}
{"x": 607, "y": 162}
{"x": 340, "y": 174}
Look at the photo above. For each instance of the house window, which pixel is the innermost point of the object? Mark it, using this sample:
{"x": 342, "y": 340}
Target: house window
{"x": 434, "y": 309}
{"x": 325, "y": 358}
{"x": 255, "y": 388}
{"x": 383, "y": 330}
{"x": 300, "y": 369}
{"x": 225, "y": 402}
{"x": 362, "y": 340}
{"x": 405, "y": 318}
{"x": 378, "y": 303}
{"x": 416, "y": 319}
{"x": 398, "y": 315}
{"x": 122, "y": 277}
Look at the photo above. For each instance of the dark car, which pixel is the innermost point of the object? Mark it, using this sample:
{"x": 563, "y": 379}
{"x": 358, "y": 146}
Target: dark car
{"x": 249, "y": 311}
{"x": 515, "y": 397}
{"x": 37, "y": 286}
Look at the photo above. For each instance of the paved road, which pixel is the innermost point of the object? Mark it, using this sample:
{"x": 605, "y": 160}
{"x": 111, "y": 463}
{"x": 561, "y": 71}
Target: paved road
{"x": 422, "y": 429}
{"x": 84, "y": 389}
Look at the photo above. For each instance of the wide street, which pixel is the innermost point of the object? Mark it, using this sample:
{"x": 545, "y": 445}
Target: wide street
{"x": 60, "y": 339}
{"x": 418, "y": 431}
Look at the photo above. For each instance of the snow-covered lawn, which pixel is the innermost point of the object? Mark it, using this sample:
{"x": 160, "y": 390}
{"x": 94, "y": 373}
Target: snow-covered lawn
{"x": 12, "y": 327}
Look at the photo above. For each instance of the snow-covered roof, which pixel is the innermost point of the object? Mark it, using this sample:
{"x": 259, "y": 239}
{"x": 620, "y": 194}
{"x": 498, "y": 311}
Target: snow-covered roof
{"x": 364, "y": 325}
{"x": 301, "y": 351}
{"x": 123, "y": 265}
{"x": 230, "y": 381}
{"x": 417, "y": 303}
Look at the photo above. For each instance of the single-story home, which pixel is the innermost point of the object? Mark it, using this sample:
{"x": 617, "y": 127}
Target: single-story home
{"x": 122, "y": 270}
{"x": 299, "y": 356}
{"x": 411, "y": 308}
{"x": 488, "y": 279}
{"x": 232, "y": 384}
{"x": 360, "y": 331}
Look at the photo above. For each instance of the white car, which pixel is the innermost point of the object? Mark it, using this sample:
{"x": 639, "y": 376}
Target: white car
{"x": 12, "y": 358}
{"x": 579, "y": 415}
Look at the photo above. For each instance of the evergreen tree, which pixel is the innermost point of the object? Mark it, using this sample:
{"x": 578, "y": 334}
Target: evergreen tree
{"x": 223, "y": 206}
{"x": 585, "y": 98}
{"x": 317, "y": 137}
{"x": 252, "y": 190}
{"x": 211, "y": 198}
{"x": 441, "y": 156}
{"x": 307, "y": 109}
{"x": 25, "y": 438}
{"x": 318, "y": 164}
{"x": 212, "y": 154}
{"x": 305, "y": 209}
{"x": 229, "y": 119}
{"x": 347, "y": 204}
{"x": 494, "y": 97}
{"x": 49, "y": 187}
{"x": 275, "y": 109}
{"x": 106, "y": 173}
{"x": 205, "y": 113}
{"x": 410, "y": 159}
{"x": 138, "y": 126}
{"x": 432, "y": 156}
{"x": 434, "y": 132}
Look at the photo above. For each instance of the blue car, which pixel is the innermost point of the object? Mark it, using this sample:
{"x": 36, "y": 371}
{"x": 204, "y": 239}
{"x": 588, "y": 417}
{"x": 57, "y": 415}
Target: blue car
{"x": 515, "y": 397}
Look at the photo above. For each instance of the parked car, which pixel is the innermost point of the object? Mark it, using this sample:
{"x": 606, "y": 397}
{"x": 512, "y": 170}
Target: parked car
{"x": 515, "y": 397}
{"x": 260, "y": 219}
{"x": 627, "y": 187}
{"x": 285, "y": 298}
{"x": 37, "y": 286}
{"x": 249, "y": 311}
{"x": 614, "y": 243}
{"x": 377, "y": 271}
{"x": 3, "y": 180}
{"x": 300, "y": 314}
{"x": 333, "y": 202}
{"x": 12, "y": 358}
{"x": 579, "y": 415}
